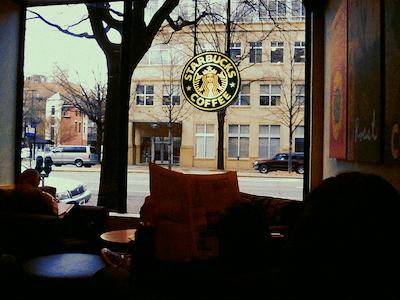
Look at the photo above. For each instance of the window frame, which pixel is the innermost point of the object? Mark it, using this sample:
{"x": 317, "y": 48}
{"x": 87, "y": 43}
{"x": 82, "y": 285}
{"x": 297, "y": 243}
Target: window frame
{"x": 274, "y": 46}
{"x": 237, "y": 46}
{"x": 270, "y": 95}
{"x": 238, "y": 101}
{"x": 144, "y": 95}
{"x": 269, "y": 136}
{"x": 175, "y": 92}
{"x": 255, "y": 52}
{"x": 239, "y": 135}
{"x": 204, "y": 135}
{"x": 299, "y": 95}
{"x": 301, "y": 47}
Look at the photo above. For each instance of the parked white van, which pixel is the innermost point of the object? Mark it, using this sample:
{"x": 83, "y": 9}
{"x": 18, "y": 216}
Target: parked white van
{"x": 73, "y": 155}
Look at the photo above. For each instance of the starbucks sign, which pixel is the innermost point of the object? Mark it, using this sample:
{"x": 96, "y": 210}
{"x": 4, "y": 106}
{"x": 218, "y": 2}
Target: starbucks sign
{"x": 210, "y": 81}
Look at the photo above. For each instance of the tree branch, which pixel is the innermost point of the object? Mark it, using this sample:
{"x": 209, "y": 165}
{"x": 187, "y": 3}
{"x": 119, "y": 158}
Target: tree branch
{"x": 59, "y": 28}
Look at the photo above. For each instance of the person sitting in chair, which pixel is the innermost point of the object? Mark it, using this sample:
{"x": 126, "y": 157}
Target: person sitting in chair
{"x": 30, "y": 198}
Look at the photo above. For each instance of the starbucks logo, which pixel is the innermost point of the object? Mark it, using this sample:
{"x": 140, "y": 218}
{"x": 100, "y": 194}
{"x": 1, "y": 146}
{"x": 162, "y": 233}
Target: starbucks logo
{"x": 210, "y": 81}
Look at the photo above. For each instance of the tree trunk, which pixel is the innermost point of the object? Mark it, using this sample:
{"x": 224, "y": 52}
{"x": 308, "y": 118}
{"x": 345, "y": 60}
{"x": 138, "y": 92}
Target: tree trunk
{"x": 221, "y": 121}
{"x": 113, "y": 178}
{"x": 170, "y": 157}
{"x": 290, "y": 164}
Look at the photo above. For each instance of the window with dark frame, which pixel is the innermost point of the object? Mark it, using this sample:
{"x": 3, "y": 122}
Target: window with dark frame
{"x": 255, "y": 55}
{"x": 171, "y": 95}
{"x": 277, "y": 52}
{"x": 270, "y": 94}
{"x": 299, "y": 52}
{"x": 144, "y": 95}
{"x": 300, "y": 94}
{"x": 236, "y": 51}
{"x": 298, "y": 10}
{"x": 243, "y": 99}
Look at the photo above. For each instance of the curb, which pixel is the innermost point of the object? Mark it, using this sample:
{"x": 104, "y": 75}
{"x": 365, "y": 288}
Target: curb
{"x": 184, "y": 170}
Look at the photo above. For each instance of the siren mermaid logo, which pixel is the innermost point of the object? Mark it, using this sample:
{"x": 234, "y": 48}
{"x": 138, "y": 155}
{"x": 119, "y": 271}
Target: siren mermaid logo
{"x": 210, "y": 81}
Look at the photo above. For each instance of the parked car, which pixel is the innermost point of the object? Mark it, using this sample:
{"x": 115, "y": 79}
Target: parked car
{"x": 281, "y": 162}
{"x": 67, "y": 190}
{"x": 73, "y": 155}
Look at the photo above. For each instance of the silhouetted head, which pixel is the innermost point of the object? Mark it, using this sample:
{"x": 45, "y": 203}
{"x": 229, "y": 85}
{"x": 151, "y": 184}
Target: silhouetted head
{"x": 349, "y": 230}
{"x": 29, "y": 177}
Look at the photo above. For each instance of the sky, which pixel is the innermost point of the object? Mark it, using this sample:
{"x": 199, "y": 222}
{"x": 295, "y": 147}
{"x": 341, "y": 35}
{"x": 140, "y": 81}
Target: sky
{"x": 46, "y": 47}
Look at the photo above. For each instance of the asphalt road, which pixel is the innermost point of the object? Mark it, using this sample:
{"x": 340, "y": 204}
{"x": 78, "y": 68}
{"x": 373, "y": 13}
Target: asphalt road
{"x": 138, "y": 184}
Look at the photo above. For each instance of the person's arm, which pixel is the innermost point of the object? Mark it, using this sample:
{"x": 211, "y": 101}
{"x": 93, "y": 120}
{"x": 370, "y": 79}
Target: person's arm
{"x": 51, "y": 201}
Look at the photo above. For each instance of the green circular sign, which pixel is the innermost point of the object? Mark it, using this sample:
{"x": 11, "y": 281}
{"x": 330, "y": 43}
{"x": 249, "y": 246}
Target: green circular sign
{"x": 210, "y": 81}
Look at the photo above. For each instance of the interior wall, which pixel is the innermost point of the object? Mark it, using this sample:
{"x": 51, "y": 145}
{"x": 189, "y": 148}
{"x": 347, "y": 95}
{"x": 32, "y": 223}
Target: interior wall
{"x": 9, "y": 53}
{"x": 332, "y": 166}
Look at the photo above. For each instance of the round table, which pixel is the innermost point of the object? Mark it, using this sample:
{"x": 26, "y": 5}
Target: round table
{"x": 62, "y": 275}
{"x": 123, "y": 236}
{"x": 119, "y": 240}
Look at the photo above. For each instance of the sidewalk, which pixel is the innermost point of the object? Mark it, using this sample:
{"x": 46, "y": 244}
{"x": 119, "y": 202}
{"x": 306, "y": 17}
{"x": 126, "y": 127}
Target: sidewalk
{"x": 145, "y": 169}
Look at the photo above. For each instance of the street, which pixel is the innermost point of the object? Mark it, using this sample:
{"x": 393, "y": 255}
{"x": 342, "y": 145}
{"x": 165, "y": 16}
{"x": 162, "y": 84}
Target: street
{"x": 138, "y": 184}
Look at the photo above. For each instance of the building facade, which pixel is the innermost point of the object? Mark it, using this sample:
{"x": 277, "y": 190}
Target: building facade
{"x": 268, "y": 45}
{"x": 66, "y": 125}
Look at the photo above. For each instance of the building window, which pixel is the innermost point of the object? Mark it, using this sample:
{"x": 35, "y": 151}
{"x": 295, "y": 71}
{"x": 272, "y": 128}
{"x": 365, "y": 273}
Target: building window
{"x": 276, "y": 52}
{"x": 273, "y": 9}
{"x": 299, "y": 139}
{"x": 205, "y": 141}
{"x": 144, "y": 95}
{"x": 299, "y": 94}
{"x": 299, "y": 52}
{"x": 158, "y": 55}
{"x": 298, "y": 10}
{"x": 244, "y": 95}
{"x": 79, "y": 126}
{"x": 53, "y": 110}
{"x": 236, "y": 51}
{"x": 255, "y": 52}
{"x": 206, "y": 46}
{"x": 238, "y": 141}
{"x": 269, "y": 140}
{"x": 171, "y": 95}
{"x": 270, "y": 94}
{"x": 76, "y": 126}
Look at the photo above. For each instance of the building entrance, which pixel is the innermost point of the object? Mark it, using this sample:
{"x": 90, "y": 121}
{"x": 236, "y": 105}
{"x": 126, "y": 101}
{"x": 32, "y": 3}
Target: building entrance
{"x": 160, "y": 150}
{"x": 155, "y": 149}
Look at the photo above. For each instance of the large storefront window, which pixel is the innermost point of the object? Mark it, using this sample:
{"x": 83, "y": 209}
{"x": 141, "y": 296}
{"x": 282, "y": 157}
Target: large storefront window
{"x": 163, "y": 125}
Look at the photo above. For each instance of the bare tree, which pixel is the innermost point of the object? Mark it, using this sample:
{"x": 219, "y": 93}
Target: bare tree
{"x": 174, "y": 108}
{"x": 224, "y": 28}
{"x": 292, "y": 104}
{"x": 103, "y": 17}
{"x": 89, "y": 101}
{"x": 290, "y": 108}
